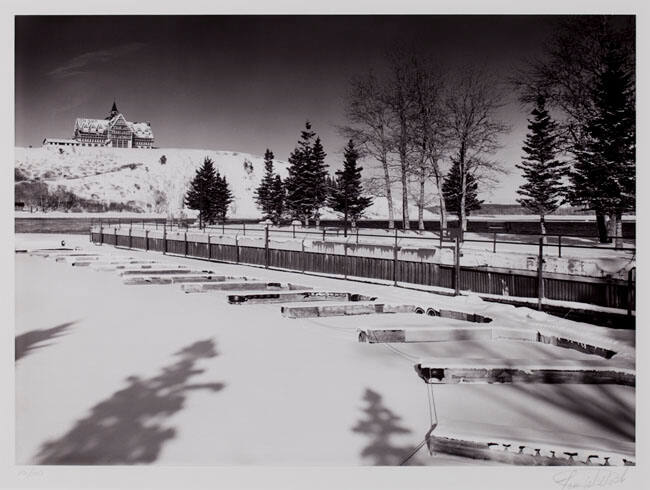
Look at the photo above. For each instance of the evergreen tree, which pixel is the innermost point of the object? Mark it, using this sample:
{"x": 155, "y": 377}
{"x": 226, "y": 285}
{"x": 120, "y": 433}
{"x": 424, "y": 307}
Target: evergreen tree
{"x": 200, "y": 196}
{"x": 263, "y": 193}
{"x": 318, "y": 178}
{"x": 542, "y": 192}
{"x": 222, "y": 197}
{"x": 306, "y": 185}
{"x": 452, "y": 191}
{"x": 345, "y": 191}
{"x": 296, "y": 183}
{"x": 277, "y": 198}
{"x": 603, "y": 174}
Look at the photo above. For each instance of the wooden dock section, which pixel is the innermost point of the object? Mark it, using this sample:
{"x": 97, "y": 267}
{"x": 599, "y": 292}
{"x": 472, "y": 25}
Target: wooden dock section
{"x": 295, "y": 297}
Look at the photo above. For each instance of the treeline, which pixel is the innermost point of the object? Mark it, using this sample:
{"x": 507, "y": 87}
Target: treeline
{"x": 418, "y": 118}
{"x": 434, "y": 131}
{"x": 309, "y": 187}
{"x": 32, "y": 195}
{"x": 587, "y": 75}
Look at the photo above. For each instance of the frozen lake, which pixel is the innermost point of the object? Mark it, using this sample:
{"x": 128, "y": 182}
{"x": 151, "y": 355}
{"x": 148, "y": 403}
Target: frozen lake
{"x": 114, "y": 374}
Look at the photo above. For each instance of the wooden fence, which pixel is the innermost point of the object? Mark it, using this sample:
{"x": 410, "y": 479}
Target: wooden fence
{"x": 613, "y": 293}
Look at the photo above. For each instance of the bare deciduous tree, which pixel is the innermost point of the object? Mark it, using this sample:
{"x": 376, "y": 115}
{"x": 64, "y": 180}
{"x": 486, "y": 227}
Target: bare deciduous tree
{"x": 474, "y": 129}
{"x": 369, "y": 127}
{"x": 429, "y": 132}
{"x": 401, "y": 102}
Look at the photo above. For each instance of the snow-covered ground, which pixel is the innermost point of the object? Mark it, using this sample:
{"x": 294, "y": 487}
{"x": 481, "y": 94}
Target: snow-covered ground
{"x": 109, "y": 373}
{"x": 154, "y": 180}
{"x": 139, "y": 177}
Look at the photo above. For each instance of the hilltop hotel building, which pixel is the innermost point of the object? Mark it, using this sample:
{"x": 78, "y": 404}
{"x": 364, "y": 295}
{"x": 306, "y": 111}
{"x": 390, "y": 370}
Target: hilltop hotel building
{"x": 114, "y": 131}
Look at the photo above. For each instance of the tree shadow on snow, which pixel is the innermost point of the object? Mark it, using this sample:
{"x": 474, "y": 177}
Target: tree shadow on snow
{"x": 27, "y": 342}
{"x": 380, "y": 425}
{"x": 129, "y": 427}
{"x": 606, "y": 406}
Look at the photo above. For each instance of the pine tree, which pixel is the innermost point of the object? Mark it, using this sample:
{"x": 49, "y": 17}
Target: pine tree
{"x": 222, "y": 197}
{"x": 318, "y": 178}
{"x": 603, "y": 174}
{"x": 452, "y": 191}
{"x": 264, "y": 191}
{"x": 299, "y": 184}
{"x": 200, "y": 196}
{"x": 346, "y": 190}
{"x": 542, "y": 192}
{"x": 277, "y": 198}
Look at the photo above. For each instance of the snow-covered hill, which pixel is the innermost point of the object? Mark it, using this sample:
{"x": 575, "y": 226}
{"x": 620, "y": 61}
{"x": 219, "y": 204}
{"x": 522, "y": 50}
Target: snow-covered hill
{"x": 152, "y": 180}
{"x": 156, "y": 180}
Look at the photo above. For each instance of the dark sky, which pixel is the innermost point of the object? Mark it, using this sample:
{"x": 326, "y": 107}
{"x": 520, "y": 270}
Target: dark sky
{"x": 243, "y": 83}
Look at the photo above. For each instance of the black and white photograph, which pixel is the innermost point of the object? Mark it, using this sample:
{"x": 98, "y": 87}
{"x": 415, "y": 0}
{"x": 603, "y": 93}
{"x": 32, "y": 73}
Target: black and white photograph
{"x": 324, "y": 241}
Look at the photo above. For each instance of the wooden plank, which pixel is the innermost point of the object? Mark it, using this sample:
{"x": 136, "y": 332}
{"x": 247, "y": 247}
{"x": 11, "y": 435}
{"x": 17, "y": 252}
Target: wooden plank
{"x": 522, "y": 371}
{"x": 295, "y": 297}
{"x": 523, "y": 452}
{"x": 174, "y": 279}
{"x": 241, "y": 286}
{"x": 343, "y": 310}
{"x": 163, "y": 272}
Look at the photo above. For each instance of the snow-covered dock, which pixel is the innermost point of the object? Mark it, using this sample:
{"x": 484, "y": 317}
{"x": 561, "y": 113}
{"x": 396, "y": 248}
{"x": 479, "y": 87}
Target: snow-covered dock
{"x": 524, "y": 371}
{"x": 186, "y": 389}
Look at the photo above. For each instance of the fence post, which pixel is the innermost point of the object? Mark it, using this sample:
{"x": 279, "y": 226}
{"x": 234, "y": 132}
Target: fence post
{"x": 357, "y": 235}
{"x": 130, "y": 238}
{"x": 115, "y": 235}
{"x": 345, "y": 259}
{"x": 630, "y": 290}
{"x": 186, "y": 244}
{"x": 302, "y": 255}
{"x": 266, "y": 246}
{"x": 165, "y": 237}
{"x": 293, "y": 226}
{"x": 209, "y": 248}
{"x": 457, "y": 267}
{"x": 223, "y": 227}
{"x": 324, "y": 234}
{"x": 494, "y": 243}
{"x": 237, "y": 248}
{"x": 540, "y": 274}
{"x": 559, "y": 245}
{"x": 244, "y": 225}
{"x": 395, "y": 260}
{"x": 146, "y": 240}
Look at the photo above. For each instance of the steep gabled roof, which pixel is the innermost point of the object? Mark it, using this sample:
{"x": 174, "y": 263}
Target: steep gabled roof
{"x": 114, "y": 120}
{"x": 141, "y": 130}
{"x": 101, "y": 126}
{"x": 86, "y": 125}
